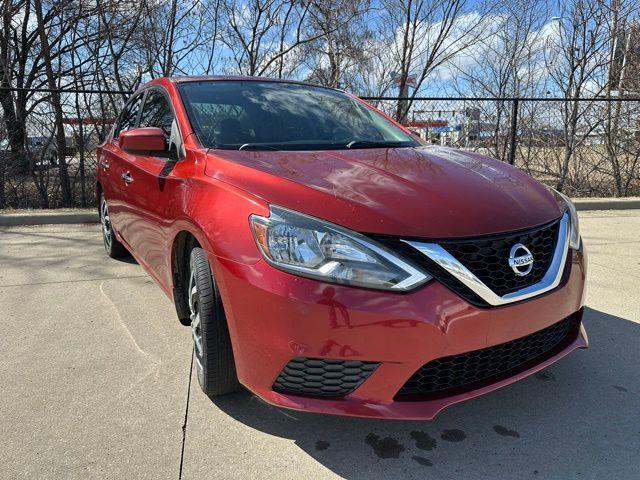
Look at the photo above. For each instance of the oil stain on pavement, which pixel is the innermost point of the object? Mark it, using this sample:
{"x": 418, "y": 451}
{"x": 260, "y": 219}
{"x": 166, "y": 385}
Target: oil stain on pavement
{"x": 424, "y": 441}
{"x": 322, "y": 445}
{"x": 422, "y": 461}
{"x": 453, "y": 435}
{"x": 387, "y": 447}
{"x": 505, "y": 432}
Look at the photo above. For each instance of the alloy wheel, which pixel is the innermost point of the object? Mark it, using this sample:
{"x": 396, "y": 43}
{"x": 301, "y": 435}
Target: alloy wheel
{"x": 106, "y": 223}
{"x": 196, "y": 326}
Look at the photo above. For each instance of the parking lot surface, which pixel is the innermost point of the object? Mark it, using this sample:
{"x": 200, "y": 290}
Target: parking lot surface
{"x": 95, "y": 384}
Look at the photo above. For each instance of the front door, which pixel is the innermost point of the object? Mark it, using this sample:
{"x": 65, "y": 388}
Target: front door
{"x": 114, "y": 165}
{"x": 149, "y": 193}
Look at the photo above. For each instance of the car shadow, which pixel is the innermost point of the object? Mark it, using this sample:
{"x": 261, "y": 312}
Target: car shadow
{"x": 127, "y": 258}
{"x": 579, "y": 418}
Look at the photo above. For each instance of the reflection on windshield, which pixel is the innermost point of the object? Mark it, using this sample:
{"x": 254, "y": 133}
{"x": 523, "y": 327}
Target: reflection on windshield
{"x": 254, "y": 115}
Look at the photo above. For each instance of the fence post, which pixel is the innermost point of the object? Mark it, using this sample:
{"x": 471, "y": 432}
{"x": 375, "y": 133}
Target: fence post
{"x": 514, "y": 130}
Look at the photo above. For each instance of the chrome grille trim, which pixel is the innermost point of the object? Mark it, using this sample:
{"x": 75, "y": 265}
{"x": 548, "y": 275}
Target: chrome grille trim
{"x": 550, "y": 280}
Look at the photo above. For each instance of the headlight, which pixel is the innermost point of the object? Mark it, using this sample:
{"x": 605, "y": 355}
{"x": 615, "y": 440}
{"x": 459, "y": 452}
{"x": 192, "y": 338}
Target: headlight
{"x": 574, "y": 236}
{"x": 309, "y": 247}
{"x": 574, "y": 223}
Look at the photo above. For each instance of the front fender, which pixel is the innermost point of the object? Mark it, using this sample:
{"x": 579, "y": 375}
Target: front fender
{"x": 217, "y": 215}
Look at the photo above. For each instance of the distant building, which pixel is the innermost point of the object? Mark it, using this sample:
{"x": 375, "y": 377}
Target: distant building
{"x": 438, "y": 132}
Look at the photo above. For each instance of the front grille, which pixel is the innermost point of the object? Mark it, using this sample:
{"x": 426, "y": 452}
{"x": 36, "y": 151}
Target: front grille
{"x": 467, "y": 370}
{"x": 322, "y": 377}
{"x": 487, "y": 258}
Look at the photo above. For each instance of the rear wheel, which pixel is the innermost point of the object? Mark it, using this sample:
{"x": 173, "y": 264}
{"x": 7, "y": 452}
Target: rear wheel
{"x": 211, "y": 342}
{"x": 111, "y": 244}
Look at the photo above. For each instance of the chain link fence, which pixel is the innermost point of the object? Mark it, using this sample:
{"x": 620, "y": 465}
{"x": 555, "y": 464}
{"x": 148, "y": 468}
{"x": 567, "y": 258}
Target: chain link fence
{"x": 35, "y": 172}
{"x": 585, "y": 147}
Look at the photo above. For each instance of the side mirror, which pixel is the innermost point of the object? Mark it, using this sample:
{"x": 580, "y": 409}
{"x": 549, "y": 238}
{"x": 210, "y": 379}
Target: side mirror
{"x": 143, "y": 139}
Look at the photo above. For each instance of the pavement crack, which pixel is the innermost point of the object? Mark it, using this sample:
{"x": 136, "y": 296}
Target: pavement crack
{"x": 186, "y": 417}
{"x": 156, "y": 360}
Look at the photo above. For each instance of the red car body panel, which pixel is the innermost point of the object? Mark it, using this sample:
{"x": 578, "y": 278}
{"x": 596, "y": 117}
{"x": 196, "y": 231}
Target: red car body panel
{"x": 311, "y": 319}
{"x": 415, "y": 192}
{"x": 273, "y": 316}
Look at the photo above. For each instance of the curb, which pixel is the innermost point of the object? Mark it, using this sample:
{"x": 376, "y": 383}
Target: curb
{"x": 91, "y": 216}
{"x": 585, "y": 204}
{"x": 48, "y": 218}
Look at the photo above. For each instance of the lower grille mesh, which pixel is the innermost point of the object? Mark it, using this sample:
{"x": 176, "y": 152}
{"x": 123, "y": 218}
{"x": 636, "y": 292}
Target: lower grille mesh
{"x": 465, "y": 370}
{"x": 324, "y": 377}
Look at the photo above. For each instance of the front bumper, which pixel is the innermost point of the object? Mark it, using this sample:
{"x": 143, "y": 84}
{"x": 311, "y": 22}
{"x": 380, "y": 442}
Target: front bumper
{"x": 274, "y": 317}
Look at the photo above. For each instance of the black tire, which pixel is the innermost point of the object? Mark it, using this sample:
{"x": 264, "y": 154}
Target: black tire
{"x": 111, "y": 244}
{"x": 213, "y": 355}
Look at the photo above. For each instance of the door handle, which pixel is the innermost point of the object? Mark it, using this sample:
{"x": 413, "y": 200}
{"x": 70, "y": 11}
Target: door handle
{"x": 127, "y": 177}
{"x": 104, "y": 164}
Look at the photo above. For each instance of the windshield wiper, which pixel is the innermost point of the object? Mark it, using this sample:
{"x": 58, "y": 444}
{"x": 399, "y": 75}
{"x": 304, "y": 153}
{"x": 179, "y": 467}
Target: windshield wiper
{"x": 256, "y": 146}
{"x": 372, "y": 144}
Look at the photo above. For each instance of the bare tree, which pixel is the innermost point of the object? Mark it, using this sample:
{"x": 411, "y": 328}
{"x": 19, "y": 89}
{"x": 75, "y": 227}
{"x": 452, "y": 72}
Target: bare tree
{"x": 576, "y": 61}
{"x": 53, "y": 81}
{"x": 34, "y": 45}
{"x": 15, "y": 46}
{"x": 505, "y": 63}
{"x": 262, "y": 34}
{"x": 116, "y": 48}
{"x": 344, "y": 34}
{"x": 181, "y": 37}
{"x": 426, "y": 35}
{"x": 622, "y": 151}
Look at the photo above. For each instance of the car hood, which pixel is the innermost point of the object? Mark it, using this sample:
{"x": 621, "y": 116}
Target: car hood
{"x": 427, "y": 192}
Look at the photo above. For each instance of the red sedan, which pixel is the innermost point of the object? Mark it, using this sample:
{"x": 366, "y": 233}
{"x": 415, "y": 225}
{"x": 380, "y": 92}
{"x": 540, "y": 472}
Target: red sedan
{"x": 329, "y": 261}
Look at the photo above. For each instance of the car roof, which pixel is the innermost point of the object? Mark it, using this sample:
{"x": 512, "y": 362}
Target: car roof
{"x": 242, "y": 78}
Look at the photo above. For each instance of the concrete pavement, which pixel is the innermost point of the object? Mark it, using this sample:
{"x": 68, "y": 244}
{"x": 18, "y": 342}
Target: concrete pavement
{"x": 94, "y": 366}
{"x": 95, "y": 373}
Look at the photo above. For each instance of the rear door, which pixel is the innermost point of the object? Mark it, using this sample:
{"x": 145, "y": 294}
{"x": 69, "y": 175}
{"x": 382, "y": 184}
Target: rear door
{"x": 149, "y": 193}
{"x": 113, "y": 164}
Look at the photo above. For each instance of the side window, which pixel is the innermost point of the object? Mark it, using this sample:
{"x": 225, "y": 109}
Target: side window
{"x": 128, "y": 116}
{"x": 157, "y": 113}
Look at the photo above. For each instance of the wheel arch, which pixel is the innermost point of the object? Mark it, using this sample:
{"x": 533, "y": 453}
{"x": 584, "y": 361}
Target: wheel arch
{"x": 183, "y": 242}
{"x": 99, "y": 190}
{"x": 200, "y": 223}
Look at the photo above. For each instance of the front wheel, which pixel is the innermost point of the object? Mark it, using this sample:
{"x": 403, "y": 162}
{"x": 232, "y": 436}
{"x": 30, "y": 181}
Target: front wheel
{"x": 211, "y": 342}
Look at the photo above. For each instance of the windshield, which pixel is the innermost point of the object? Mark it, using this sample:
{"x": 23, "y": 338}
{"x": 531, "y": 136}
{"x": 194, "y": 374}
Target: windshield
{"x": 254, "y": 115}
